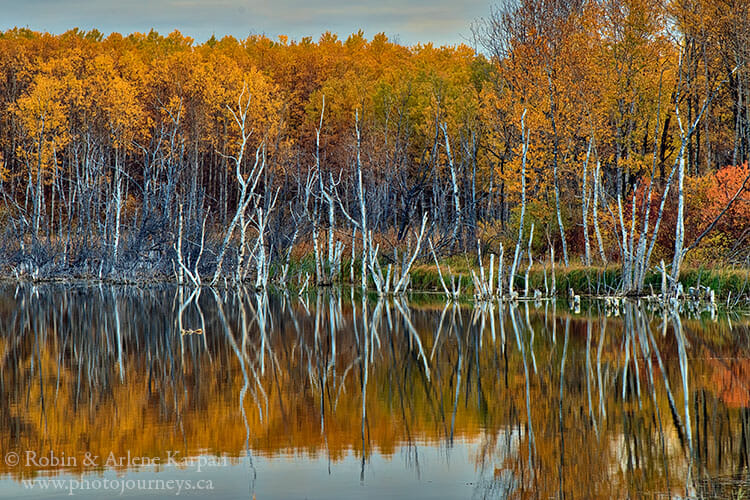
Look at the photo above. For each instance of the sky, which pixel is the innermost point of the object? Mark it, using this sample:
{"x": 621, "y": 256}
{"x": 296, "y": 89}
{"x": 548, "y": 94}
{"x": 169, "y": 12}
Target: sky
{"x": 443, "y": 22}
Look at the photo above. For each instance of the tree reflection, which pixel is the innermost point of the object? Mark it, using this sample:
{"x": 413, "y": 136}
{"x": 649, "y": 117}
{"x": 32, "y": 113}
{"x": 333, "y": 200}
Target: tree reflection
{"x": 551, "y": 404}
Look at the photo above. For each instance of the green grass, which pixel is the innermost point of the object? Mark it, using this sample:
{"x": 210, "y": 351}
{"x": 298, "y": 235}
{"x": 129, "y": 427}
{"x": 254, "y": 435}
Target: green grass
{"x": 583, "y": 280}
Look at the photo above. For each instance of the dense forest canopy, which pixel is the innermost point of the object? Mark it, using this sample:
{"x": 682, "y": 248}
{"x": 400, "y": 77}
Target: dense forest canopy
{"x": 630, "y": 121}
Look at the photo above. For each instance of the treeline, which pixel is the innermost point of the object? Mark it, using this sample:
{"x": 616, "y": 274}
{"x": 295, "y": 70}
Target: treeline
{"x": 630, "y": 122}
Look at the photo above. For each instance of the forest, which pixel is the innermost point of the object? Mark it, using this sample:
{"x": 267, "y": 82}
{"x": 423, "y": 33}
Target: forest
{"x": 576, "y": 133}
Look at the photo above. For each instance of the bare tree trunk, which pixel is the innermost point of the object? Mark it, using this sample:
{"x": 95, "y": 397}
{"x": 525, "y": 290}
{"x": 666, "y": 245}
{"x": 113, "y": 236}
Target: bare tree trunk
{"x": 458, "y": 223}
{"x": 555, "y": 169}
{"x": 500, "y": 273}
{"x": 319, "y": 279}
{"x": 118, "y": 209}
{"x": 597, "y": 194}
{"x": 403, "y": 281}
{"x": 625, "y": 253}
{"x": 585, "y": 207}
{"x": 362, "y": 205}
{"x": 640, "y": 257}
{"x": 517, "y": 253}
{"x": 679, "y": 235}
{"x": 38, "y": 189}
{"x": 531, "y": 261}
{"x": 354, "y": 254}
{"x": 685, "y": 136}
{"x": 178, "y": 249}
{"x": 247, "y": 184}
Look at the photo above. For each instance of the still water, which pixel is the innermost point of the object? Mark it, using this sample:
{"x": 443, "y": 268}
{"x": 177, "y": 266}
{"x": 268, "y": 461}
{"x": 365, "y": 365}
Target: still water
{"x": 156, "y": 392}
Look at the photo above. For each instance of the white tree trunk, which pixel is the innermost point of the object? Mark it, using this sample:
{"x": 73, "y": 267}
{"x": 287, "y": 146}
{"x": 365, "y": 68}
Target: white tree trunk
{"x": 585, "y": 207}
{"x": 597, "y": 194}
{"x": 118, "y": 210}
{"x": 517, "y": 253}
{"x": 456, "y": 198}
{"x": 680, "y": 227}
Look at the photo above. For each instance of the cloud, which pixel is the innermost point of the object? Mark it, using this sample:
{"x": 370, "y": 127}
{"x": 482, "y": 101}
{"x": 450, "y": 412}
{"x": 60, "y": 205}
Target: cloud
{"x": 438, "y": 21}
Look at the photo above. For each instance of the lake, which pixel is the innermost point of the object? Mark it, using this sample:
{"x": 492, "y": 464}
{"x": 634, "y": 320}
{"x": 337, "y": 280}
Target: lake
{"x": 159, "y": 391}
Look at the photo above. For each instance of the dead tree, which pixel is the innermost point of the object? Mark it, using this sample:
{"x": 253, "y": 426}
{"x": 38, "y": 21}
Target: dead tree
{"x": 247, "y": 183}
{"x": 516, "y": 255}
{"x": 457, "y": 226}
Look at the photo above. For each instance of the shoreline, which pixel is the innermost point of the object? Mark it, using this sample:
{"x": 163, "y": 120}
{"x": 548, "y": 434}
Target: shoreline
{"x": 729, "y": 284}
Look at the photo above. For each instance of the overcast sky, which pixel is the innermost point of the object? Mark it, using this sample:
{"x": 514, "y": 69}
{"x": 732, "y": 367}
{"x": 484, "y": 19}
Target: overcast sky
{"x": 408, "y": 21}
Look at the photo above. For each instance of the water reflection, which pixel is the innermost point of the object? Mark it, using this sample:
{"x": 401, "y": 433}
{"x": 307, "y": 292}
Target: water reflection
{"x": 503, "y": 400}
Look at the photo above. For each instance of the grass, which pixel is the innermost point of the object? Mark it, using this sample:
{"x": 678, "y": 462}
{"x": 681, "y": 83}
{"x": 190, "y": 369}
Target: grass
{"x": 727, "y": 282}
{"x": 593, "y": 280}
